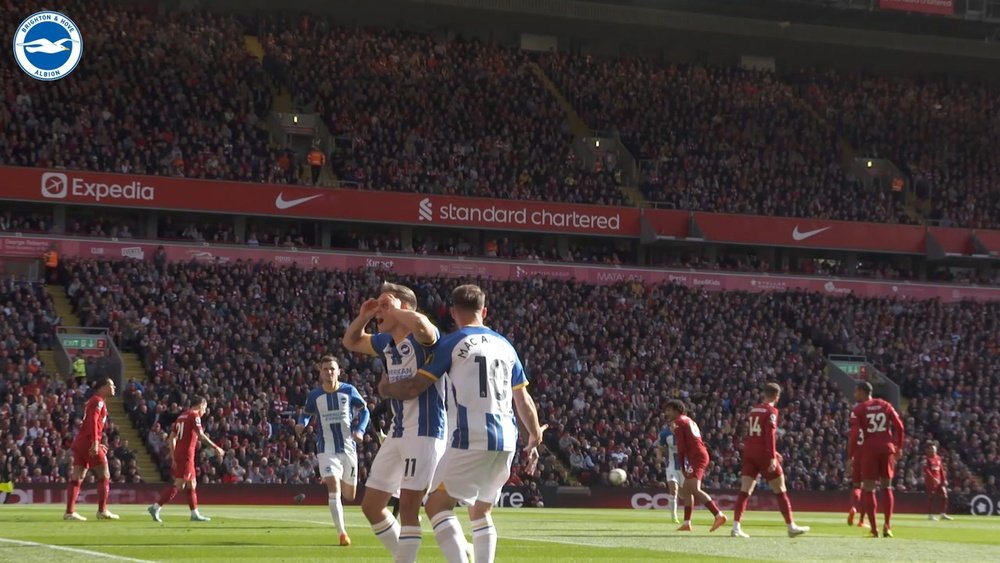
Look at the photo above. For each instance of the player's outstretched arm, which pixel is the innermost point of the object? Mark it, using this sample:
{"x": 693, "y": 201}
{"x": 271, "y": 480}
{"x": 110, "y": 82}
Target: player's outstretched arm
{"x": 409, "y": 388}
{"x": 355, "y": 338}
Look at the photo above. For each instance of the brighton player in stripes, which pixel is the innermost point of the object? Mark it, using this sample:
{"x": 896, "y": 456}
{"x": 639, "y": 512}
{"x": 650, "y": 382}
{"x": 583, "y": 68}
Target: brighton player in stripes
{"x": 485, "y": 383}
{"x": 333, "y": 406}
{"x": 407, "y": 457}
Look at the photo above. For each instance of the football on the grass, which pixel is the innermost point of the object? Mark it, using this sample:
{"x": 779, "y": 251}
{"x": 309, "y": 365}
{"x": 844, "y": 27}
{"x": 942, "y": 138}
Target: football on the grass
{"x": 617, "y": 477}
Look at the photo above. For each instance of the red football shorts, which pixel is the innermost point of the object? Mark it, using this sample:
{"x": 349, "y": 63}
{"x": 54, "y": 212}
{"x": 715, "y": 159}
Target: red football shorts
{"x": 696, "y": 469}
{"x": 757, "y": 463}
{"x": 936, "y": 490}
{"x": 183, "y": 468}
{"x": 878, "y": 465}
{"x": 856, "y": 469}
{"x": 83, "y": 458}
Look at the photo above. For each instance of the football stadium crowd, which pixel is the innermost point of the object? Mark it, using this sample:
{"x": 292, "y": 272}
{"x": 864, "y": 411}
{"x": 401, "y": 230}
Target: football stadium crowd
{"x": 40, "y": 411}
{"x": 416, "y": 112}
{"x": 605, "y": 359}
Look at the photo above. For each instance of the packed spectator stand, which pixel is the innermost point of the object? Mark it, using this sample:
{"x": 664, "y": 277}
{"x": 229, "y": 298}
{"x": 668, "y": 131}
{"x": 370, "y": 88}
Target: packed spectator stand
{"x": 246, "y": 335}
{"x": 39, "y": 410}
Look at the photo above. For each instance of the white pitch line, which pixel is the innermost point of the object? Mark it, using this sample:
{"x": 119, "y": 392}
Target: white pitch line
{"x": 73, "y": 550}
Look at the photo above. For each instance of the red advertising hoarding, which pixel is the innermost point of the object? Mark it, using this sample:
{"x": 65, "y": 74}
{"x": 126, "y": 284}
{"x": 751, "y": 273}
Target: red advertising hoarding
{"x": 400, "y": 264}
{"x": 511, "y": 497}
{"x": 241, "y": 198}
{"x": 811, "y": 233}
{"x": 937, "y": 7}
{"x": 163, "y": 192}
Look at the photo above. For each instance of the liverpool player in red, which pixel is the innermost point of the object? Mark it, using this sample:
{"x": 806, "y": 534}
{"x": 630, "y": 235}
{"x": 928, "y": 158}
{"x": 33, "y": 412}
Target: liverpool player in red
{"x": 183, "y": 443}
{"x": 694, "y": 459}
{"x": 856, "y": 492}
{"x": 936, "y": 483}
{"x": 876, "y": 426}
{"x": 761, "y": 457}
{"x": 89, "y": 453}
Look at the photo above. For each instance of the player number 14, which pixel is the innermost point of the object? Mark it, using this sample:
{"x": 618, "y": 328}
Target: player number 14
{"x": 755, "y": 429}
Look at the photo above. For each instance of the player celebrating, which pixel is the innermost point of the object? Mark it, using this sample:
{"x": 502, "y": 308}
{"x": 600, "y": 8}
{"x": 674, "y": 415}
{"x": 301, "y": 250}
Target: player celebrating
{"x": 183, "y": 444}
{"x": 486, "y": 383}
{"x": 668, "y": 449}
{"x": 90, "y": 453}
{"x": 406, "y": 460}
{"x": 334, "y": 404}
{"x": 877, "y": 435}
{"x": 936, "y": 484}
{"x": 694, "y": 459}
{"x": 761, "y": 457}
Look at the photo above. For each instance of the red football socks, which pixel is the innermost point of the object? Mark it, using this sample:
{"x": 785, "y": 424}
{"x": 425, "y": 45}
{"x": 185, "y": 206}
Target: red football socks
{"x": 785, "y": 506}
{"x": 870, "y": 506}
{"x": 889, "y": 498}
{"x": 103, "y": 490}
{"x": 192, "y": 499}
{"x": 856, "y": 500}
{"x": 167, "y": 495}
{"x": 687, "y": 512}
{"x": 712, "y": 507}
{"x": 741, "y": 506}
{"x": 72, "y": 491}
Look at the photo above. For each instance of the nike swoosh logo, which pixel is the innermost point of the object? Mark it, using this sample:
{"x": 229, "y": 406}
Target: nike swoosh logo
{"x": 282, "y": 203}
{"x": 799, "y": 235}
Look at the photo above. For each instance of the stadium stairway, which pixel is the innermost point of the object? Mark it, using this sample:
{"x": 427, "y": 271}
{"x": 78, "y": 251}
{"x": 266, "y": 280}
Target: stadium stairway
{"x": 145, "y": 463}
{"x": 580, "y": 129}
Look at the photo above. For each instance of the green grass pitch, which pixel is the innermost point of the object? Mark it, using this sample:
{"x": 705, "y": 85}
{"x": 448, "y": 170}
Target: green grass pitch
{"x": 269, "y": 533}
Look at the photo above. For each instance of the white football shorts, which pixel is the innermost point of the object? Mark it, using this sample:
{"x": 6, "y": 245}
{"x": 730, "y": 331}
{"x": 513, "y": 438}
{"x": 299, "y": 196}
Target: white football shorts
{"x": 405, "y": 463}
{"x": 343, "y": 466}
{"x": 472, "y": 476}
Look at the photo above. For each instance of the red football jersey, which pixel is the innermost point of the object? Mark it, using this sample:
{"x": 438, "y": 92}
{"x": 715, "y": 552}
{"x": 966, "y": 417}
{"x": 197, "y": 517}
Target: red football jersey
{"x": 762, "y": 436}
{"x": 934, "y": 470}
{"x": 95, "y": 415}
{"x": 188, "y": 429}
{"x": 690, "y": 448}
{"x": 875, "y": 428}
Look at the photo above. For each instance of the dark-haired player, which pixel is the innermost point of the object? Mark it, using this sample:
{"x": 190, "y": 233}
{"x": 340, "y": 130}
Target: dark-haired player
{"x": 877, "y": 436}
{"x": 90, "y": 453}
{"x": 183, "y": 444}
{"x": 694, "y": 459}
{"x": 761, "y": 457}
{"x": 936, "y": 484}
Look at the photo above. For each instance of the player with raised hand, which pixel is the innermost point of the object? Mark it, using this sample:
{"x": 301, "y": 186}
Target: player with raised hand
{"x": 333, "y": 405}
{"x": 486, "y": 383}
{"x": 183, "y": 444}
{"x": 936, "y": 484}
{"x": 89, "y": 453}
{"x": 667, "y": 446}
{"x": 406, "y": 460}
{"x": 877, "y": 436}
{"x": 694, "y": 459}
{"x": 761, "y": 457}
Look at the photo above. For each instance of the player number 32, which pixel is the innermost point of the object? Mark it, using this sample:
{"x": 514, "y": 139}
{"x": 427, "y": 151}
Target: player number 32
{"x": 876, "y": 422}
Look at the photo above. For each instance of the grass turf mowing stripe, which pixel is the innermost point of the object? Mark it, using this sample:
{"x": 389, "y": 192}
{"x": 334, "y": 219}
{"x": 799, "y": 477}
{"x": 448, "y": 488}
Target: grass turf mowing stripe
{"x": 74, "y": 550}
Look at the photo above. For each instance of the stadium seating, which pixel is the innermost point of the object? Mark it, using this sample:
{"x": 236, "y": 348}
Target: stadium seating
{"x": 941, "y": 131}
{"x": 436, "y": 116}
{"x": 39, "y": 413}
{"x": 178, "y": 95}
{"x": 601, "y": 389}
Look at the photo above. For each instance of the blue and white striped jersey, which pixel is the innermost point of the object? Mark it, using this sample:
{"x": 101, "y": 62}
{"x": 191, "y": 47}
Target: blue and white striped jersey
{"x": 335, "y": 417}
{"x": 483, "y": 370}
{"x": 669, "y": 443}
{"x": 423, "y": 415}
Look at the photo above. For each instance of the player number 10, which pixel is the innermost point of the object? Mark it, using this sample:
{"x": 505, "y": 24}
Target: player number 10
{"x": 492, "y": 373}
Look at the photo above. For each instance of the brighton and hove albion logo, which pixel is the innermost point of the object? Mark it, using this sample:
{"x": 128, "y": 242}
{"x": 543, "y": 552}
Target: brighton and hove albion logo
{"x": 48, "y": 46}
